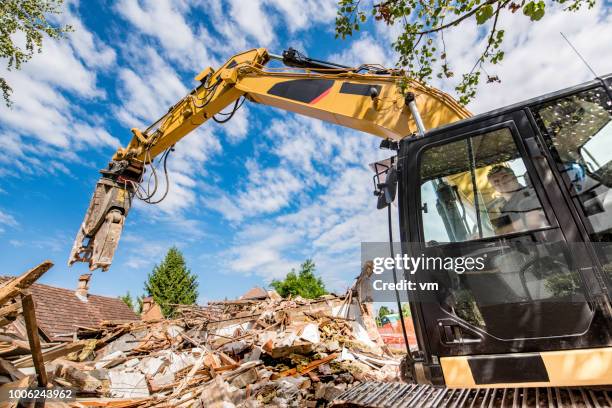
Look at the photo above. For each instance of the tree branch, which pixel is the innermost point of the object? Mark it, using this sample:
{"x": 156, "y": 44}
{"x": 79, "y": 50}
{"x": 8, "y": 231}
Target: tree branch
{"x": 458, "y": 20}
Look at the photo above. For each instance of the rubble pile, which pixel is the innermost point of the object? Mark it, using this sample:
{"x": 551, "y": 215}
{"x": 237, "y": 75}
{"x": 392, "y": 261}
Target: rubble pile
{"x": 243, "y": 353}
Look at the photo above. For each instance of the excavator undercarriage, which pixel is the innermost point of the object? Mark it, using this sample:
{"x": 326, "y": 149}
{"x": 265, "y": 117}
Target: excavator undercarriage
{"x": 399, "y": 395}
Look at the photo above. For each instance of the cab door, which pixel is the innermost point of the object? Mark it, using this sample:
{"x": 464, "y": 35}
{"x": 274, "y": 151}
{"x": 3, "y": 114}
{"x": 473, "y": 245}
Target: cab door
{"x": 479, "y": 195}
{"x": 576, "y": 132}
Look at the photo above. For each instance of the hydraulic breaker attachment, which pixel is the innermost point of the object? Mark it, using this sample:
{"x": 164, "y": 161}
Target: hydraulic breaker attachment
{"x": 100, "y": 231}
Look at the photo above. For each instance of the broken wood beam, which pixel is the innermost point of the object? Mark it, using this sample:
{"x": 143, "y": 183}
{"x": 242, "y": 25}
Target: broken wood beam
{"x": 10, "y": 369}
{"x": 14, "y": 287}
{"x": 13, "y": 308}
{"x": 50, "y": 354}
{"x": 305, "y": 369}
{"x": 29, "y": 316}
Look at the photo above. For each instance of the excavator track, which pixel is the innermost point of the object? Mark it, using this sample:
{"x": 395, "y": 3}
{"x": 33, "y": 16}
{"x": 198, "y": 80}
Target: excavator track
{"x": 388, "y": 395}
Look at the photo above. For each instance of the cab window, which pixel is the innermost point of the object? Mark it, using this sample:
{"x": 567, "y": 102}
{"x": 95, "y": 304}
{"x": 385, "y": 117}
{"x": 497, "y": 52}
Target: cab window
{"x": 578, "y": 132}
{"x": 475, "y": 188}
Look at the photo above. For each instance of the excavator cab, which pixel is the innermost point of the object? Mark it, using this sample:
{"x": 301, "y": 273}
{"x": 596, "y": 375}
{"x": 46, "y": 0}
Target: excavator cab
{"x": 526, "y": 191}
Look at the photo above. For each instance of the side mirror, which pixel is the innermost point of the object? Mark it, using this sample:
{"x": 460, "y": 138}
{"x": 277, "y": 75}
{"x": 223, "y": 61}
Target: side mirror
{"x": 388, "y": 189}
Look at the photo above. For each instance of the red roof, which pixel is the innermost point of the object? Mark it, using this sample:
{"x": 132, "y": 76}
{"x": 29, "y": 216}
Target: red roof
{"x": 59, "y": 310}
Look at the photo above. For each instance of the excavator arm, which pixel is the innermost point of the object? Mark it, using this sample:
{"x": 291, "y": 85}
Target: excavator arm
{"x": 368, "y": 98}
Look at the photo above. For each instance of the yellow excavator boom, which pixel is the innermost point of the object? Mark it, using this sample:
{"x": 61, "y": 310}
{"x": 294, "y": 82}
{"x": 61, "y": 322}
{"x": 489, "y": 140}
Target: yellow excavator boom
{"x": 369, "y": 98}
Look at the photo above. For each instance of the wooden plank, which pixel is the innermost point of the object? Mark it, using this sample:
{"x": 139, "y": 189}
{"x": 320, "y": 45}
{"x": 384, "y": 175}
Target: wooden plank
{"x": 10, "y": 309}
{"x": 10, "y": 370}
{"x": 306, "y": 369}
{"x": 29, "y": 315}
{"x": 51, "y": 354}
{"x": 14, "y": 286}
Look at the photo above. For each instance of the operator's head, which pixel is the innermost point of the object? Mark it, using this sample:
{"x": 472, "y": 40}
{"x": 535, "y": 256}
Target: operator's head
{"x": 503, "y": 179}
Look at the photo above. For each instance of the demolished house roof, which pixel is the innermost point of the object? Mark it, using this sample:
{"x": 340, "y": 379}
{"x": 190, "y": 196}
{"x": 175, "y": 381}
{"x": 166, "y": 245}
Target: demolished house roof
{"x": 59, "y": 312}
{"x": 255, "y": 292}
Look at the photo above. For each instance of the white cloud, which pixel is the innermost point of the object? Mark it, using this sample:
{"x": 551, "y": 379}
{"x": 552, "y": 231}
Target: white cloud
{"x": 46, "y": 124}
{"x": 147, "y": 90}
{"x": 366, "y": 50}
{"x": 60, "y": 66}
{"x": 7, "y": 219}
{"x": 93, "y": 52}
{"x": 257, "y": 23}
{"x": 238, "y": 129}
{"x": 302, "y": 14}
{"x": 261, "y": 250}
{"x": 41, "y": 112}
{"x": 165, "y": 20}
{"x": 253, "y": 20}
{"x": 268, "y": 190}
{"x": 141, "y": 253}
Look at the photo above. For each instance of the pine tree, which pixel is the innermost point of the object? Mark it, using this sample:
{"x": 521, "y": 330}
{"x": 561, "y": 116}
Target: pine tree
{"x": 304, "y": 283}
{"x": 172, "y": 283}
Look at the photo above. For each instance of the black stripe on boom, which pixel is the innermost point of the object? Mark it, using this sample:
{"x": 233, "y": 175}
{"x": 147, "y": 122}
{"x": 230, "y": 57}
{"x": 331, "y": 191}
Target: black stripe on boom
{"x": 232, "y": 64}
{"x": 302, "y": 90}
{"x": 496, "y": 369}
{"x": 358, "y": 89}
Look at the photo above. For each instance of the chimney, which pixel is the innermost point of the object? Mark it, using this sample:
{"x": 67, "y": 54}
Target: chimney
{"x": 83, "y": 287}
{"x": 147, "y": 304}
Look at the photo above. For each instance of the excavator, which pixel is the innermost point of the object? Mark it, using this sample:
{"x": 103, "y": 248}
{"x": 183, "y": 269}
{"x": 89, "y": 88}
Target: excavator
{"x": 526, "y": 187}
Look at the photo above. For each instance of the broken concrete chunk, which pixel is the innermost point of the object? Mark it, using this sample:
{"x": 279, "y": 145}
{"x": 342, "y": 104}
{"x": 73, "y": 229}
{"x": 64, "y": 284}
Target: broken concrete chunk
{"x": 159, "y": 380}
{"x": 151, "y": 365}
{"x": 80, "y": 379}
{"x": 217, "y": 394}
{"x": 253, "y": 355}
{"x": 178, "y": 361}
{"x": 127, "y": 342}
{"x": 285, "y": 340}
{"x": 310, "y": 333}
{"x": 174, "y": 331}
{"x": 287, "y": 389}
{"x": 127, "y": 384}
{"x": 99, "y": 374}
{"x": 235, "y": 347}
{"x": 131, "y": 363}
{"x": 106, "y": 359}
{"x": 346, "y": 355}
{"x": 250, "y": 376}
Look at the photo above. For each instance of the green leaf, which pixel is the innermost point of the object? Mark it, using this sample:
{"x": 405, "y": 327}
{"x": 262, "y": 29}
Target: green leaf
{"x": 484, "y": 13}
{"x": 535, "y": 11}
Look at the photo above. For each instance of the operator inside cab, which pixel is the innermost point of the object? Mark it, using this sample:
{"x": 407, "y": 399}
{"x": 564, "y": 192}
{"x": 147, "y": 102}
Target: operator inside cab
{"x": 521, "y": 209}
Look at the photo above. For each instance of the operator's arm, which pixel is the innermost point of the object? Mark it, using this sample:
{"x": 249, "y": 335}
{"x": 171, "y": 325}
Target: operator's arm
{"x": 364, "y": 99}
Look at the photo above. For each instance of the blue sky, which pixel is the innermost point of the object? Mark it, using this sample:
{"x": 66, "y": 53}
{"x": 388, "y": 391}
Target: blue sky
{"x": 248, "y": 200}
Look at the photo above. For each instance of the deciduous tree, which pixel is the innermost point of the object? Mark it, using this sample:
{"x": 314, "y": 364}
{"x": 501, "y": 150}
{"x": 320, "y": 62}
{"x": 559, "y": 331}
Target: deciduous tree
{"x": 421, "y": 46}
{"x": 304, "y": 283}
